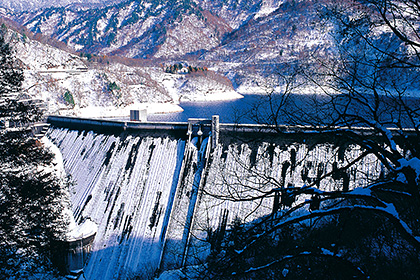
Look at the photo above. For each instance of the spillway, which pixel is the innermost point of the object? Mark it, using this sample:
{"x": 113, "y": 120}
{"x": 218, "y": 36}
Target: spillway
{"x": 156, "y": 200}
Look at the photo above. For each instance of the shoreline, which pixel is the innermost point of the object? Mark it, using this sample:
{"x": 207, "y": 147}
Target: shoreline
{"x": 152, "y": 108}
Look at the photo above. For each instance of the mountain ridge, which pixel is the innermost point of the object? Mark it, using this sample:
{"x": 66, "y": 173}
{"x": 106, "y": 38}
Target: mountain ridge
{"x": 131, "y": 28}
{"x": 272, "y": 38}
{"x": 140, "y": 28}
{"x": 269, "y": 33}
{"x": 28, "y": 5}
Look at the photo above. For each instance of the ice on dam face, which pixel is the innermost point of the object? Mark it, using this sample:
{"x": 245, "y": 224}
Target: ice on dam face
{"x": 158, "y": 202}
{"x": 123, "y": 184}
{"x": 241, "y": 181}
{"x": 239, "y": 175}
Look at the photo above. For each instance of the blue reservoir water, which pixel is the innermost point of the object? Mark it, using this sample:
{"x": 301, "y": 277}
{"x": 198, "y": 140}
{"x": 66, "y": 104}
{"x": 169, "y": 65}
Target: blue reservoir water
{"x": 290, "y": 110}
{"x": 230, "y": 111}
{"x": 253, "y": 108}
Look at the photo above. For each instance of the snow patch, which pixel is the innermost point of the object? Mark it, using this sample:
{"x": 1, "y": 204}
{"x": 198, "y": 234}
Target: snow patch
{"x": 57, "y": 165}
{"x": 87, "y": 228}
{"x": 110, "y": 111}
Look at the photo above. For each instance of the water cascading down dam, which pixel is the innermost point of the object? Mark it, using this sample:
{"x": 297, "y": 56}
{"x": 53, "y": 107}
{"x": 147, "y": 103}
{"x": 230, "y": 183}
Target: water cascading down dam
{"x": 156, "y": 190}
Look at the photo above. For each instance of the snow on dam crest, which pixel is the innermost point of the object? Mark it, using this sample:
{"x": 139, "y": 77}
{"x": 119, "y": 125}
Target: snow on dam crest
{"x": 157, "y": 200}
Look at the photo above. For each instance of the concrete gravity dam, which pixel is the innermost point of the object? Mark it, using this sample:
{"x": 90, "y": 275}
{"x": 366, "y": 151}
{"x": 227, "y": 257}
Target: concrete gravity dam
{"x": 156, "y": 191}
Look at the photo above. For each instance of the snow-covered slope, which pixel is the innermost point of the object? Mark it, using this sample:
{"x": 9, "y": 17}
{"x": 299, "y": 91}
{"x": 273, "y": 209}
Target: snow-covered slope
{"x": 238, "y": 12}
{"x": 270, "y": 44}
{"x": 247, "y": 41}
{"x": 72, "y": 85}
{"x": 133, "y": 28}
{"x": 31, "y": 5}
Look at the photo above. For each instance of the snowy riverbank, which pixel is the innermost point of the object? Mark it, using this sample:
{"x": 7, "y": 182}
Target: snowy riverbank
{"x": 122, "y": 112}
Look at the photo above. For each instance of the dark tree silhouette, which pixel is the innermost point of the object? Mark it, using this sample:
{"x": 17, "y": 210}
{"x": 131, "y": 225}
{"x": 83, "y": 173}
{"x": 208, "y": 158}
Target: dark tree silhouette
{"x": 32, "y": 196}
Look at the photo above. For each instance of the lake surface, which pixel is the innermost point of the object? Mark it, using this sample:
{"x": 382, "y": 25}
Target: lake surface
{"x": 291, "y": 110}
{"x": 253, "y": 108}
{"x": 227, "y": 110}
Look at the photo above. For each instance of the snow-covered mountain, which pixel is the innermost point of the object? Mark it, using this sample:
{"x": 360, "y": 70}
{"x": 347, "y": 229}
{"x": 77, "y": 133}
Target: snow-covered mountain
{"x": 238, "y": 12}
{"x": 269, "y": 44}
{"x": 32, "y": 5}
{"x": 133, "y": 28}
{"x": 246, "y": 41}
{"x": 249, "y": 42}
{"x": 148, "y": 28}
{"x": 73, "y": 85}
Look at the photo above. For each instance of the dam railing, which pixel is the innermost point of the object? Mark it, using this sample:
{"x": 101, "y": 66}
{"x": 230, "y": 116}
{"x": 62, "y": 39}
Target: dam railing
{"x": 205, "y": 127}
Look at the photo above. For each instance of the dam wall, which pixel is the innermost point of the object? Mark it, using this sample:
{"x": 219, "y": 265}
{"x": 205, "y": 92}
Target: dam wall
{"x": 163, "y": 196}
{"x": 124, "y": 184}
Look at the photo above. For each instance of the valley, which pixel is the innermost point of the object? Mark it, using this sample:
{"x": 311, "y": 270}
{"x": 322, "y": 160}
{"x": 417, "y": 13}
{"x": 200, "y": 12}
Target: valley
{"x": 229, "y": 39}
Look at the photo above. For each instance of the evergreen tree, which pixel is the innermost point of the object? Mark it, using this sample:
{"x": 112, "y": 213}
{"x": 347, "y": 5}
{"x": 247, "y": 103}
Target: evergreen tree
{"x": 32, "y": 197}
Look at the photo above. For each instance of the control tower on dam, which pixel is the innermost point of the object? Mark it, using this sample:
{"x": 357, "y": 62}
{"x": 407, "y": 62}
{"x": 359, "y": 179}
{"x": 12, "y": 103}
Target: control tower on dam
{"x": 164, "y": 194}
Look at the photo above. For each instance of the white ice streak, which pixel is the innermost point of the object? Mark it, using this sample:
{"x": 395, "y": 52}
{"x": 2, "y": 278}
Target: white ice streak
{"x": 120, "y": 184}
{"x": 238, "y": 177}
